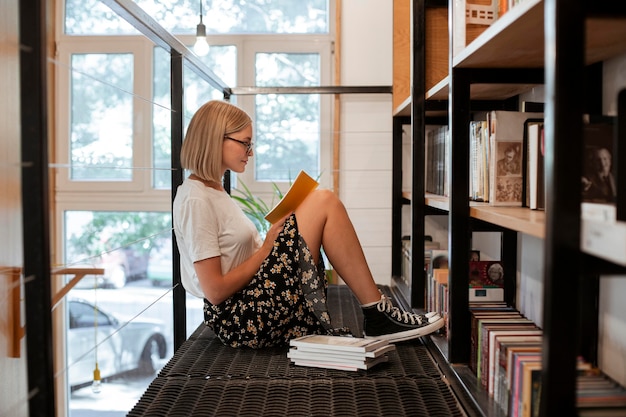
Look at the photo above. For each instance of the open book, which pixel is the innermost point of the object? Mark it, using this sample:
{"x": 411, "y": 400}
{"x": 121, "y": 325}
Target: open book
{"x": 298, "y": 191}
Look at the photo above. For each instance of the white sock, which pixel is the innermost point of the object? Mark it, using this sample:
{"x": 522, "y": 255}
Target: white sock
{"x": 373, "y": 303}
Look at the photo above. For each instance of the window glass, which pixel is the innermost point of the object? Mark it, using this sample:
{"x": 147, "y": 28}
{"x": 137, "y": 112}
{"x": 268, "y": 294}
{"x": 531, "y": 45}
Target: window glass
{"x": 287, "y": 125}
{"x": 110, "y": 142}
{"x": 121, "y": 320}
{"x": 101, "y": 132}
{"x": 222, "y": 59}
{"x": 91, "y": 17}
{"x": 161, "y": 121}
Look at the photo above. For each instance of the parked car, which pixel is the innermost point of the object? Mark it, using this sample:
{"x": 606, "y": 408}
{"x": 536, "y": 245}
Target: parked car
{"x": 120, "y": 267}
{"x": 138, "y": 346}
{"x": 159, "y": 270}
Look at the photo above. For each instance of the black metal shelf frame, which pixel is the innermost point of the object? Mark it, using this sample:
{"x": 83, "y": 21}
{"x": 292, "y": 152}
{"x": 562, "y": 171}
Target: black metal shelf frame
{"x": 571, "y": 278}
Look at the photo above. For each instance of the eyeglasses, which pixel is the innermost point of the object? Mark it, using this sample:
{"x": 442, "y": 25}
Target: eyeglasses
{"x": 248, "y": 145}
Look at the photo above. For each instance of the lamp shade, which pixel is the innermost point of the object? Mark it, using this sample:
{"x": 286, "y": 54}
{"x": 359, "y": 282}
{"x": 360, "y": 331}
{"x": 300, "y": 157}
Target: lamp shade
{"x": 201, "y": 47}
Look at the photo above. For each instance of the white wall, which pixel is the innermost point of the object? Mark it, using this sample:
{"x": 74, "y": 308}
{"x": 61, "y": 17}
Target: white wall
{"x": 366, "y": 126}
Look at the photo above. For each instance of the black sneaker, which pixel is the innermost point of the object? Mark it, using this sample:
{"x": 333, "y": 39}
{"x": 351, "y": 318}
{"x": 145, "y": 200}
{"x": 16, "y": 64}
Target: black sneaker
{"x": 384, "y": 321}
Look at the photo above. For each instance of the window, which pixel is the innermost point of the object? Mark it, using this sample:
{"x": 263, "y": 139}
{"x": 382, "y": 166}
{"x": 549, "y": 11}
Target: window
{"x": 222, "y": 59}
{"x": 287, "y": 125}
{"x": 91, "y": 17}
{"x": 112, "y": 159}
{"x": 101, "y": 133}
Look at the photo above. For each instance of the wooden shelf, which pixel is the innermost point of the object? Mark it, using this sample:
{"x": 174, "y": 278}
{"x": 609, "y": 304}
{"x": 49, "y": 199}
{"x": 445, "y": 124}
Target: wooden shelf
{"x": 432, "y": 200}
{"x": 404, "y": 109}
{"x": 479, "y": 91}
{"x": 437, "y": 201}
{"x": 513, "y": 41}
{"x": 519, "y": 219}
{"x": 516, "y": 40}
{"x": 606, "y": 240}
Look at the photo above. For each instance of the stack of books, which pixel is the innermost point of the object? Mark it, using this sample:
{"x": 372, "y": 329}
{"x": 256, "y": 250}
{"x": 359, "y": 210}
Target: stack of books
{"x": 338, "y": 352}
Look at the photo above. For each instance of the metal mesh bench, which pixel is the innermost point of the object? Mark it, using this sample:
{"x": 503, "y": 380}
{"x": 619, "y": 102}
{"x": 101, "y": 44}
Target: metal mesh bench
{"x": 206, "y": 378}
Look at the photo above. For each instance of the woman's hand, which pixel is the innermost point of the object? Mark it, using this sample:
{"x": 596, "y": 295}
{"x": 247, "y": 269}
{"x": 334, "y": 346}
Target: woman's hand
{"x": 273, "y": 233}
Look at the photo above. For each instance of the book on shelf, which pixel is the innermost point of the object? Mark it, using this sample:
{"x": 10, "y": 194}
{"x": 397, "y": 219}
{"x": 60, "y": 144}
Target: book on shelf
{"x": 440, "y": 292}
{"x": 596, "y": 394}
{"x": 492, "y": 353}
{"x": 475, "y": 317}
{"x": 533, "y": 106}
{"x": 429, "y": 246}
{"x": 486, "y": 281}
{"x": 534, "y": 172}
{"x": 298, "y": 191}
{"x": 479, "y": 161}
{"x": 504, "y": 346}
{"x": 338, "y": 352}
{"x": 596, "y": 390}
{"x": 531, "y": 389}
{"x": 438, "y": 259}
{"x": 516, "y": 393}
{"x": 435, "y": 260}
{"x": 481, "y": 335}
{"x": 437, "y": 154}
{"x": 491, "y": 306}
{"x": 598, "y": 170}
{"x": 506, "y": 137}
{"x": 486, "y": 359}
{"x": 429, "y": 243}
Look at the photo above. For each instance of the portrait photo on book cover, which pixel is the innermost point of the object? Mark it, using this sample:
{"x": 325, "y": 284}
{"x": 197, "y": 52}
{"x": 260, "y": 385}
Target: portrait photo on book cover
{"x": 598, "y": 180}
{"x": 509, "y": 179}
{"x": 509, "y": 159}
{"x": 486, "y": 274}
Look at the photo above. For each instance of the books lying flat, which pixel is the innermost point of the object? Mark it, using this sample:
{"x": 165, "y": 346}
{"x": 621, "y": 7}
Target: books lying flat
{"x": 296, "y": 194}
{"x": 338, "y": 352}
{"x": 340, "y": 365}
{"x": 337, "y": 343}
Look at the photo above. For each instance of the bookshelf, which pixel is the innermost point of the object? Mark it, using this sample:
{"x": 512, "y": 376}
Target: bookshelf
{"x": 505, "y": 60}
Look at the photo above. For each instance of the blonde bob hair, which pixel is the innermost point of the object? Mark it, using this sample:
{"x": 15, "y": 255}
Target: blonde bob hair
{"x": 201, "y": 152}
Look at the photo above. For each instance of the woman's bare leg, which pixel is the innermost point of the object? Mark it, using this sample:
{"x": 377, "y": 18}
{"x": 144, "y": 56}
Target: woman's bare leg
{"x": 323, "y": 221}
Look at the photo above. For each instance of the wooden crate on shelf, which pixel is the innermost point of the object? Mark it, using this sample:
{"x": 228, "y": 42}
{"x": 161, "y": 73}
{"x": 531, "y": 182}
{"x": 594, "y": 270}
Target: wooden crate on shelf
{"x": 477, "y": 16}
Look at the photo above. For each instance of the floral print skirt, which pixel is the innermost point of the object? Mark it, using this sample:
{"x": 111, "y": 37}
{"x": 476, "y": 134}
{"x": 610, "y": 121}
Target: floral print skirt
{"x": 285, "y": 299}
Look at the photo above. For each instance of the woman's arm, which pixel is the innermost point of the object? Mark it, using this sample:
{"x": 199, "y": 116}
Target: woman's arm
{"x": 218, "y": 287}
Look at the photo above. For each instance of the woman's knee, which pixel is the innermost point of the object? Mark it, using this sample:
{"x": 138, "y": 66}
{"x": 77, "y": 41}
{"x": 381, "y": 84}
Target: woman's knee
{"x": 323, "y": 198}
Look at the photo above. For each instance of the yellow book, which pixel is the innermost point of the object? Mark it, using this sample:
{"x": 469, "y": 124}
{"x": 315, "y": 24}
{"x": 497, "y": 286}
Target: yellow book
{"x": 296, "y": 194}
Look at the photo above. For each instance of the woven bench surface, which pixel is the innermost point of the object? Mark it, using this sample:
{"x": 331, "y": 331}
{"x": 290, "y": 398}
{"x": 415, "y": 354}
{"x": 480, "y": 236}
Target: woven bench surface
{"x": 206, "y": 378}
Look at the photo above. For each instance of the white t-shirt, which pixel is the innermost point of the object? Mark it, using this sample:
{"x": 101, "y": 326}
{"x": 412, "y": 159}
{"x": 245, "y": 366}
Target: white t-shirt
{"x": 209, "y": 223}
